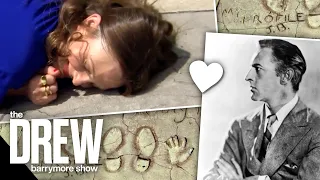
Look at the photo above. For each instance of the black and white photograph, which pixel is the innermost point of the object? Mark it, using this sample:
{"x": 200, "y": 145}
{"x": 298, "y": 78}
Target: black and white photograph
{"x": 261, "y": 120}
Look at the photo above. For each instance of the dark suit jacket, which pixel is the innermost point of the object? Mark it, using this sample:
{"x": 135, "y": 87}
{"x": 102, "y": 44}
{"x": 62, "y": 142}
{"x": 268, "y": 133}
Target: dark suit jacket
{"x": 294, "y": 152}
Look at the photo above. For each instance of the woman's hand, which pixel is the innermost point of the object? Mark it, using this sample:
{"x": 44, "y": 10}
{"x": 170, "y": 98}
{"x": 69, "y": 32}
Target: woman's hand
{"x": 42, "y": 89}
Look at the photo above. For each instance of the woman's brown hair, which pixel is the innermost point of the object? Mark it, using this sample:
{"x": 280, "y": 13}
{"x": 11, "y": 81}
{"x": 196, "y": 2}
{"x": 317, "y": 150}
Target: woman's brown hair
{"x": 137, "y": 34}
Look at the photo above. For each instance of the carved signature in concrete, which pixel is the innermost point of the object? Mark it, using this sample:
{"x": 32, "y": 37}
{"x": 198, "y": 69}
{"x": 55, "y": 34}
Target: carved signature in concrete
{"x": 313, "y": 19}
{"x": 283, "y": 17}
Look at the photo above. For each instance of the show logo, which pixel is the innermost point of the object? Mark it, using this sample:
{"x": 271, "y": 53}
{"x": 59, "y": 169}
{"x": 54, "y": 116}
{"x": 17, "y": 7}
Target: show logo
{"x": 86, "y": 142}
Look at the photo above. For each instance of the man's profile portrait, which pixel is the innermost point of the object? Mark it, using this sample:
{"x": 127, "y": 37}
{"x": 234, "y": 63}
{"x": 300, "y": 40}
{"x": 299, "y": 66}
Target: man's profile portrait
{"x": 280, "y": 137}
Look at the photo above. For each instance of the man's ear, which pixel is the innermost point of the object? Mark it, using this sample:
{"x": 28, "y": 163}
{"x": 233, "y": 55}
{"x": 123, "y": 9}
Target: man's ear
{"x": 286, "y": 76}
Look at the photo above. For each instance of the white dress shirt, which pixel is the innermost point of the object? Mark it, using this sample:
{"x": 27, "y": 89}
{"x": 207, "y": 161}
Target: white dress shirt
{"x": 281, "y": 115}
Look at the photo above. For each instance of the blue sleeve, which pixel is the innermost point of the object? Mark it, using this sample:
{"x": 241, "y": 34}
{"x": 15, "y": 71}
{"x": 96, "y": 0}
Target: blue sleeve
{"x": 25, "y": 26}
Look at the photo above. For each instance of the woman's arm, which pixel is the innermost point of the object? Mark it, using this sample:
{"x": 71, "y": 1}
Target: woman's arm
{"x": 24, "y": 54}
{"x": 35, "y": 91}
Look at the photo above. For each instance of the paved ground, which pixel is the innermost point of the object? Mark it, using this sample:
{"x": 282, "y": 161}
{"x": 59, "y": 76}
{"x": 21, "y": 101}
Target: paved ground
{"x": 295, "y": 18}
{"x": 182, "y": 5}
{"x": 134, "y": 144}
{"x": 173, "y": 88}
{"x": 134, "y": 147}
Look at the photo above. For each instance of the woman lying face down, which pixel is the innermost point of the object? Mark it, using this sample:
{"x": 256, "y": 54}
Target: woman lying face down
{"x": 90, "y": 61}
{"x": 104, "y": 44}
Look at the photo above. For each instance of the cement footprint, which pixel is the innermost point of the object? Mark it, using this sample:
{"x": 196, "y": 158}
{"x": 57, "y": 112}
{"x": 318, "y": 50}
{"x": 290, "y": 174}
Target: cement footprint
{"x": 112, "y": 164}
{"x": 311, "y": 4}
{"x": 313, "y": 21}
{"x": 276, "y": 6}
{"x": 112, "y": 141}
{"x": 68, "y": 148}
{"x": 145, "y": 144}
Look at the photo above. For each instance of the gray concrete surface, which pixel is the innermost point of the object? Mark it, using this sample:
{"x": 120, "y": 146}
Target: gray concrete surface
{"x": 163, "y": 124}
{"x": 290, "y": 19}
{"x": 172, "y": 88}
{"x": 182, "y": 5}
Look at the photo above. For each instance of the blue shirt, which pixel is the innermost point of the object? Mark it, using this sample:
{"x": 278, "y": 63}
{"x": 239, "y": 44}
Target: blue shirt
{"x": 25, "y": 26}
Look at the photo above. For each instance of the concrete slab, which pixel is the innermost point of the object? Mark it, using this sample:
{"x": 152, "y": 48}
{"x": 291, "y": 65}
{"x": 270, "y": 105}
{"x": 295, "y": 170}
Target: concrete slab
{"x": 291, "y": 19}
{"x": 182, "y": 5}
{"x": 137, "y": 139}
{"x": 173, "y": 88}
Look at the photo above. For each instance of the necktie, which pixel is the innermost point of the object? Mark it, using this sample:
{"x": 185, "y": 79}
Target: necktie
{"x": 267, "y": 137}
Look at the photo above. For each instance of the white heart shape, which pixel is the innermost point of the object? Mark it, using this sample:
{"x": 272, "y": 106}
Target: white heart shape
{"x": 205, "y": 76}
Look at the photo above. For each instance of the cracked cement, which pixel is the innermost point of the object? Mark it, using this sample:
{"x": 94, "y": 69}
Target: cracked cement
{"x": 164, "y": 125}
{"x": 269, "y": 17}
{"x": 182, "y": 5}
{"x": 173, "y": 88}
